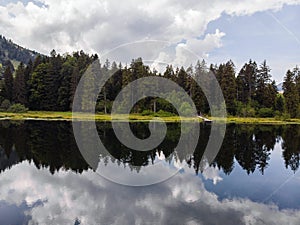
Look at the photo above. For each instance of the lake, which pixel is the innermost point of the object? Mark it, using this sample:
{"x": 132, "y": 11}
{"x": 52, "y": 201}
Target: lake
{"x": 45, "y": 179}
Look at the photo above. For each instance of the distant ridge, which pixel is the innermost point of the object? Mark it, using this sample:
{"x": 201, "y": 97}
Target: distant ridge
{"x": 279, "y": 87}
{"x": 13, "y": 52}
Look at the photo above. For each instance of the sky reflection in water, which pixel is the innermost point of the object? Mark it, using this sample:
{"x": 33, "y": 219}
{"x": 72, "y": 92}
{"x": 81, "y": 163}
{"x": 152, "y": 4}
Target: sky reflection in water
{"x": 30, "y": 193}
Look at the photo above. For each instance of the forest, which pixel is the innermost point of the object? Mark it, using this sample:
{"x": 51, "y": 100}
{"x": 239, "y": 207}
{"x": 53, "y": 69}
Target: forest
{"x": 48, "y": 83}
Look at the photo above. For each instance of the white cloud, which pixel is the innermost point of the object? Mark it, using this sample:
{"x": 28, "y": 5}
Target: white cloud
{"x": 96, "y": 26}
{"x": 66, "y": 196}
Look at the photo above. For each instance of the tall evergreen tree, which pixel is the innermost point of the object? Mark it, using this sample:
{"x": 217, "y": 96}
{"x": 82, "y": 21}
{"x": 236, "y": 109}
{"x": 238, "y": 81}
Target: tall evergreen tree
{"x": 37, "y": 93}
{"x": 19, "y": 87}
{"x": 7, "y": 91}
{"x": 263, "y": 80}
{"x": 296, "y": 72}
{"x": 75, "y": 78}
{"x": 279, "y": 103}
{"x": 226, "y": 76}
{"x": 182, "y": 78}
{"x": 200, "y": 74}
{"x": 290, "y": 94}
{"x": 64, "y": 90}
{"x": 246, "y": 82}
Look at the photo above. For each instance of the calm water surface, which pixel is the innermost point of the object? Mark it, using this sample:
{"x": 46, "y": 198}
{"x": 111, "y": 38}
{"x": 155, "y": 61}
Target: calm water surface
{"x": 45, "y": 180}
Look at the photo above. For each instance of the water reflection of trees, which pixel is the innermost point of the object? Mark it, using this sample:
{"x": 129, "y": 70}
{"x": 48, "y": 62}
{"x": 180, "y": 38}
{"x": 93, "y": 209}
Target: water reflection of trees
{"x": 291, "y": 146}
{"x": 249, "y": 145}
{"x": 46, "y": 144}
{"x": 51, "y": 145}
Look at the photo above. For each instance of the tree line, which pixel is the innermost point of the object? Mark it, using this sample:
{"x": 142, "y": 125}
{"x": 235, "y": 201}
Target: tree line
{"x": 49, "y": 83}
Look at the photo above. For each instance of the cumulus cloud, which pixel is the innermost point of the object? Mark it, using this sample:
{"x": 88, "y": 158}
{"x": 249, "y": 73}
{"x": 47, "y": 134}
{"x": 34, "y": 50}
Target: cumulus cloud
{"x": 97, "y": 26}
{"x": 183, "y": 199}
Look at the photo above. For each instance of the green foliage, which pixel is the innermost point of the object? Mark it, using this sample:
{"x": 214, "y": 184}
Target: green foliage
{"x": 245, "y": 110}
{"x": 147, "y": 112}
{"x": 101, "y": 105}
{"x": 266, "y": 112}
{"x": 279, "y": 103}
{"x": 291, "y": 94}
{"x": 17, "y": 108}
{"x": 19, "y": 86}
{"x": 5, "y": 105}
{"x": 162, "y": 113}
{"x": 246, "y": 82}
{"x": 186, "y": 109}
{"x": 7, "y": 91}
{"x": 226, "y": 77}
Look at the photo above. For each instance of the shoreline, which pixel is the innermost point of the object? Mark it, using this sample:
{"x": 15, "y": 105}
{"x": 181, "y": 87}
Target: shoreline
{"x": 67, "y": 116}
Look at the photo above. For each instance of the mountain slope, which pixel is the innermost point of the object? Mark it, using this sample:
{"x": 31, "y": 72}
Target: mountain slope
{"x": 14, "y": 52}
{"x": 280, "y": 88}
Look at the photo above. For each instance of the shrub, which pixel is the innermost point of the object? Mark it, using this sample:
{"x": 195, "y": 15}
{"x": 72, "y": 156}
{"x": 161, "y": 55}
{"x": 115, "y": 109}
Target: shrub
{"x": 5, "y": 105}
{"x": 277, "y": 115}
{"x": 266, "y": 112}
{"x": 286, "y": 116}
{"x": 186, "y": 109}
{"x": 147, "y": 112}
{"x": 248, "y": 111}
{"x": 100, "y": 106}
{"x": 17, "y": 108}
{"x": 162, "y": 113}
{"x": 245, "y": 110}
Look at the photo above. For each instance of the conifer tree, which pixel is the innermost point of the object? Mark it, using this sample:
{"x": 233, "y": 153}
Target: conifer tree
{"x": 19, "y": 87}
{"x": 290, "y": 94}
{"x": 7, "y": 91}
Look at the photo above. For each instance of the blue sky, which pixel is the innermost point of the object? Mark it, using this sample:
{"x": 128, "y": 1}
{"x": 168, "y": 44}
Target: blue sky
{"x": 214, "y": 30}
{"x": 274, "y": 36}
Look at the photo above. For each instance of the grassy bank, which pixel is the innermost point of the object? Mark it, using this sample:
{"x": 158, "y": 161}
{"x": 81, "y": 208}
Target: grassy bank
{"x": 255, "y": 120}
{"x": 67, "y": 116}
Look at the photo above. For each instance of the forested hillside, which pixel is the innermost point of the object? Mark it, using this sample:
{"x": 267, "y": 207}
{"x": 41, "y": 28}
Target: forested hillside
{"x": 13, "y": 52}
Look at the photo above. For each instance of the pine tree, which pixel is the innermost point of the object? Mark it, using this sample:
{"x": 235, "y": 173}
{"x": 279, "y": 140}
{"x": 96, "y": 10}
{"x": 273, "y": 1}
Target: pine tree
{"x": 279, "y": 103}
{"x": 64, "y": 90}
{"x": 75, "y": 78}
{"x": 19, "y": 87}
{"x": 37, "y": 87}
{"x": 262, "y": 88}
{"x": 182, "y": 78}
{"x": 7, "y": 92}
{"x": 296, "y": 72}
{"x": 27, "y": 74}
{"x": 197, "y": 94}
{"x": 226, "y": 76}
{"x": 290, "y": 94}
{"x": 270, "y": 95}
{"x": 246, "y": 81}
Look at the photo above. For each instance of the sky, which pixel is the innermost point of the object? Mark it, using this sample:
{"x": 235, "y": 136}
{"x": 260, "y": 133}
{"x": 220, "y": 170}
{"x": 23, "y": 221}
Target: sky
{"x": 214, "y": 30}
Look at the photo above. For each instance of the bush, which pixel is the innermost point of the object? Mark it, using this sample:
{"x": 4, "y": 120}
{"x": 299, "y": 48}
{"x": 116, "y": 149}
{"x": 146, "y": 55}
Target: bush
{"x": 17, "y": 108}
{"x": 245, "y": 110}
{"x": 248, "y": 112}
{"x": 5, "y": 105}
{"x": 286, "y": 116}
{"x": 147, "y": 112}
{"x": 162, "y": 113}
{"x": 277, "y": 115}
{"x": 266, "y": 112}
{"x": 186, "y": 109}
{"x": 100, "y": 106}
